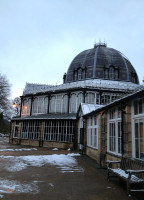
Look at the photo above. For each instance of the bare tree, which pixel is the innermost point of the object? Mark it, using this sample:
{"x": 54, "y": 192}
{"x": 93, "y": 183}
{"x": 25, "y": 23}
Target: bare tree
{"x": 4, "y": 93}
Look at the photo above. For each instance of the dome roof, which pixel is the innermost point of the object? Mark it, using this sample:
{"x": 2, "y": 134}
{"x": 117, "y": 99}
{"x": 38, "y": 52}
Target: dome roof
{"x": 101, "y": 62}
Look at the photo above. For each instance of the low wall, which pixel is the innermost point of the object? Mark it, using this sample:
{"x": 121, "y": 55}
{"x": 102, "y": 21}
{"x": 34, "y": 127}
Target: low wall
{"x": 60, "y": 145}
{"x": 93, "y": 153}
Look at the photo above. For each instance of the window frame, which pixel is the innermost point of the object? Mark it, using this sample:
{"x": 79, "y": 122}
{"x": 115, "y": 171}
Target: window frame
{"x": 139, "y": 116}
{"x": 114, "y": 118}
{"x": 92, "y": 132}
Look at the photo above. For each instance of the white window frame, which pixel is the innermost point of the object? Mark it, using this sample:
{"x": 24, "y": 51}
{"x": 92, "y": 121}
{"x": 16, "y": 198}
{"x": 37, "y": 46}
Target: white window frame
{"x": 90, "y": 98}
{"x": 31, "y": 130}
{"x": 73, "y": 103}
{"x": 114, "y": 120}
{"x": 134, "y": 117}
{"x": 92, "y": 138}
{"x": 59, "y": 131}
{"x": 65, "y": 103}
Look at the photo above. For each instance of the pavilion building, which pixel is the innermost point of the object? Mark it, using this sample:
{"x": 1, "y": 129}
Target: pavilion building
{"x": 48, "y": 116}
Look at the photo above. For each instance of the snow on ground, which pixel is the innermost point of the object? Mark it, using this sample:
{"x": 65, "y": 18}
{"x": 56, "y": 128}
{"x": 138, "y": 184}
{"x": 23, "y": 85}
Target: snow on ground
{"x": 55, "y": 149}
{"x": 7, "y": 186}
{"x": 65, "y": 163}
{"x": 22, "y": 149}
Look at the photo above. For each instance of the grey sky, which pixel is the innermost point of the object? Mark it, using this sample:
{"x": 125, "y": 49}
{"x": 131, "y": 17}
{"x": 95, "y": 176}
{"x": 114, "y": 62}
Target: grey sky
{"x": 40, "y": 38}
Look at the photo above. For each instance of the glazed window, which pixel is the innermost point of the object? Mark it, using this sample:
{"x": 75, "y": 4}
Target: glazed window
{"x": 15, "y": 134}
{"x": 35, "y": 106}
{"x": 90, "y": 98}
{"x": 92, "y": 133}
{"x": 79, "y": 99}
{"x": 114, "y": 131}
{"x": 52, "y": 104}
{"x": 60, "y": 131}
{"x": 59, "y": 103}
{"x": 116, "y": 74}
{"x": 75, "y": 75}
{"x": 139, "y": 138}
{"x": 31, "y": 130}
{"x": 45, "y": 105}
{"x": 111, "y": 73}
{"x": 84, "y": 74}
{"x": 106, "y": 73}
{"x": 73, "y": 108}
{"x": 97, "y": 98}
{"x": 138, "y": 128}
{"x": 79, "y": 74}
{"x": 40, "y": 105}
{"x": 105, "y": 99}
{"x": 65, "y": 103}
{"x": 112, "y": 113}
{"x": 139, "y": 106}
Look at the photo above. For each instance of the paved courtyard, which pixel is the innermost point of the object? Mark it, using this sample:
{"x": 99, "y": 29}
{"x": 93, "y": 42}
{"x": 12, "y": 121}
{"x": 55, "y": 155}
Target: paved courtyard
{"x": 51, "y": 174}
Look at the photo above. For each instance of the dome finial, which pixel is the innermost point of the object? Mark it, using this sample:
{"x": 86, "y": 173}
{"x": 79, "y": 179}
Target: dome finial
{"x": 100, "y": 43}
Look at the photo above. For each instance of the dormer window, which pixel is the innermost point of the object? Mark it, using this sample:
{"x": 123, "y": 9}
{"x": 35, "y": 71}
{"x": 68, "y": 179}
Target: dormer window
{"x": 111, "y": 72}
{"x": 134, "y": 77}
{"x": 80, "y": 74}
{"x": 84, "y": 73}
{"x": 75, "y": 75}
{"x": 106, "y": 73}
{"x": 116, "y": 74}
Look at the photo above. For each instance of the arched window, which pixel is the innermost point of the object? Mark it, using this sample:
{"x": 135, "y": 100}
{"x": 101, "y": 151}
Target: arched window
{"x": 80, "y": 74}
{"x": 59, "y": 103}
{"x": 35, "y": 106}
{"x": 24, "y": 107}
{"x": 40, "y": 105}
{"x": 134, "y": 77}
{"x": 111, "y": 72}
{"x": 84, "y": 74}
{"x": 75, "y": 75}
{"x": 106, "y": 73}
{"x": 65, "y": 103}
{"x": 28, "y": 107}
{"x": 45, "y": 105}
{"x": 79, "y": 99}
{"x": 116, "y": 74}
{"x": 90, "y": 98}
{"x": 73, "y": 103}
{"x": 52, "y": 104}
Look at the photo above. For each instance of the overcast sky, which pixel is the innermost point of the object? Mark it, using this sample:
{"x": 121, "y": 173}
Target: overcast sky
{"x": 40, "y": 38}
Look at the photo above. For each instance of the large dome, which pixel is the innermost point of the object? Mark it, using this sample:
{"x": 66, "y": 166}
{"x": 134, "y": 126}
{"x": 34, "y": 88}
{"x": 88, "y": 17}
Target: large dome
{"x": 101, "y": 62}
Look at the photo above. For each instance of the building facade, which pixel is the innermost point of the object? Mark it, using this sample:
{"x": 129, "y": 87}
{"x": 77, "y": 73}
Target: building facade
{"x": 48, "y": 114}
{"x": 116, "y": 129}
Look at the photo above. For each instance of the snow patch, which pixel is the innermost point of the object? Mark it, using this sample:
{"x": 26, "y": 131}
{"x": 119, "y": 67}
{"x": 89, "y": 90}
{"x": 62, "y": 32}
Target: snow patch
{"x": 52, "y": 185}
{"x": 55, "y": 149}
{"x": 66, "y": 163}
{"x": 7, "y": 186}
{"x": 23, "y": 149}
{"x": 31, "y": 88}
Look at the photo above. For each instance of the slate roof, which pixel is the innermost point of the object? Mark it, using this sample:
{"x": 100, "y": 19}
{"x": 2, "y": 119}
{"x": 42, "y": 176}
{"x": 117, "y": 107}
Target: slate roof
{"x": 98, "y": 58}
